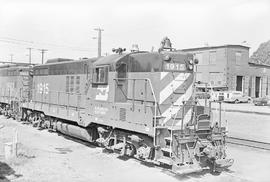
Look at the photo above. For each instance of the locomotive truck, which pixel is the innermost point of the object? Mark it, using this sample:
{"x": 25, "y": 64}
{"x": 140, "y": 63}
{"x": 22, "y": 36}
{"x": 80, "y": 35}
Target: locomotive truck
{"x": 141, "y": 104}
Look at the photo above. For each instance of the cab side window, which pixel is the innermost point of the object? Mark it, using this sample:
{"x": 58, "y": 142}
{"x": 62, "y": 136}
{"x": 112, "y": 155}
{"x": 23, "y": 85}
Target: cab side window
{"x": 101, "y": 75}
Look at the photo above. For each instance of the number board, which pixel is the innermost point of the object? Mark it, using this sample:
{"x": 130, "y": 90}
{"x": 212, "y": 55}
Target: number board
{"x": 174, "y": 67}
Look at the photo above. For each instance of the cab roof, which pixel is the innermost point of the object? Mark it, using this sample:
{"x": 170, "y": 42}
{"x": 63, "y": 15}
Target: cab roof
{"x": 142, "y": 61}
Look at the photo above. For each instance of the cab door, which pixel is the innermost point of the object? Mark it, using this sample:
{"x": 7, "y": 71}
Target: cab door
{"x": 121, "y": 83}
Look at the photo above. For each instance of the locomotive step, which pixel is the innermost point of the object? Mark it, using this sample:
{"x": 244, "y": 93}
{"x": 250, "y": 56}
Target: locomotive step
{"x": 164, "y": 149}
{"x": 165, "y": 161}
{"x": 174, "y": 128}
{"x": 168, "y": 138}
{"x": 187, "y": 169}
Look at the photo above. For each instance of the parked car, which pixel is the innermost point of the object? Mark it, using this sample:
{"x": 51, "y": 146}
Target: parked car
{"x": 236, "y": 97}
{"x": 217, "y": 96}
{"x": 202, "y": 95}
{"x": 262, "y": 101}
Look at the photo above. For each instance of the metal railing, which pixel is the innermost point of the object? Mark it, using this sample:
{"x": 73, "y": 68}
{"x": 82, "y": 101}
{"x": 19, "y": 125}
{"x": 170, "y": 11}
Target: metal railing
{"x": 147, "y": 81}
{"x": 54, "y": 98}
{"x": 9, "y": 94}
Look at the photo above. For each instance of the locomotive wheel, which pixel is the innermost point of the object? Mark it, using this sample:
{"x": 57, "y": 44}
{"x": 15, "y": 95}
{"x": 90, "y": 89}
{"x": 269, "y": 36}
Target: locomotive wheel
{"x": 143, "y": 152}
{"x": 130, "y": 150}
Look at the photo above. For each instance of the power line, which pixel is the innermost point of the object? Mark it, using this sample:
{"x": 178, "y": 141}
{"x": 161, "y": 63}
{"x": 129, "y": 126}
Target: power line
{"x": 19, "y": 40}
{"x": 25, "y": 42}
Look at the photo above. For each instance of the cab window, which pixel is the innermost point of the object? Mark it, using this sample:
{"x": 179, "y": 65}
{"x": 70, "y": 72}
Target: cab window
{"x": 100, "y": 75}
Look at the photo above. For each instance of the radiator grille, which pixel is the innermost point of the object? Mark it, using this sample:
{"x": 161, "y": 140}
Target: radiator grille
{"x": 204, "y": 125}
{"x": 122, "y": 114}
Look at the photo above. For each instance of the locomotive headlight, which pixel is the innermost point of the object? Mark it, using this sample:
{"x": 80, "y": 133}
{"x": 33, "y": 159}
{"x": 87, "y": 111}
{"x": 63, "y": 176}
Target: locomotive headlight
{"x": 196, "y": 61}
{"x": 166, "y": 58}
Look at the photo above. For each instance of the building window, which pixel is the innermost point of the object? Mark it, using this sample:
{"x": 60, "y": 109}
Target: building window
{"x": 71, "y": 89}
{"x": 67, "y": 84}
{"x": 249, "y": 85}
{"x": 238, "y": 56}
{"x": 77, "y": 84}
{"x": 212, "y": 57}
{"x": 216, "y": 79}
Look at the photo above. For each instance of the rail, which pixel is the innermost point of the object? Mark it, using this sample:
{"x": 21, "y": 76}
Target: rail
{"x": 248, "y": 143}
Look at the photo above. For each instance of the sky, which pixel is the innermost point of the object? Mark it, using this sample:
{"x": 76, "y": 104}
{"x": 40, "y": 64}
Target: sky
{"x": 66, "y": 27}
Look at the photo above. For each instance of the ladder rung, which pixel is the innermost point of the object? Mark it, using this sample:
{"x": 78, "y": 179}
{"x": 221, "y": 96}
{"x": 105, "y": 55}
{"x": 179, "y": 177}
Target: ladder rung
{"x": 159, "y": 117}
{"x": 168, "y": 138}
{"x": 165, "y": 161}
{"x": 177, "y": 118}
{"x": 167, "y": 150}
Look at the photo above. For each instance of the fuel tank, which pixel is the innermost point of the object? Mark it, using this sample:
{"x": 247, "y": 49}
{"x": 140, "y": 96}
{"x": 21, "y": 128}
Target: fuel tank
{"x": 86, "y": 134}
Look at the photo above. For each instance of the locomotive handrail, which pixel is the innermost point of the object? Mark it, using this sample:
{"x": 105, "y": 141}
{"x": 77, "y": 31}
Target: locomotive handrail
{"x": 155, "y": 100}
{"x": 147, "y": 79}
{"x": 58, "y": 94}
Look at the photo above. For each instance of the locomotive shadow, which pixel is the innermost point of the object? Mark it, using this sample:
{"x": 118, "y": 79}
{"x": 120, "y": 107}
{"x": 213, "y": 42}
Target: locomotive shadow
{"x": 6, "y": 170}
{"x": 163, "y": 168}
{"x": 87, "y": 144}
{"x": 181, "y": 177}
{"x": 120, "y": 157}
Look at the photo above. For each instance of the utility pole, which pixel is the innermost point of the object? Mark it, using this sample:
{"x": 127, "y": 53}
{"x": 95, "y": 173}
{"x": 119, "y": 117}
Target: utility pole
{"x": 99, "y": 40}
{"x": 11, "y": 58}
{"x": 42, "y": 54}
{"x": 30, "y": 54}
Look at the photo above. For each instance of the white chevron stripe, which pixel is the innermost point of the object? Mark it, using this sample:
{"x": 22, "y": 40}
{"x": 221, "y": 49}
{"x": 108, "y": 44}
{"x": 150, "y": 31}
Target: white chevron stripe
{"x": 172, "y": 86}
{"x": 163, "y": 74}
{"x": 174, "y": 109}
{"x": 187, "y": 118}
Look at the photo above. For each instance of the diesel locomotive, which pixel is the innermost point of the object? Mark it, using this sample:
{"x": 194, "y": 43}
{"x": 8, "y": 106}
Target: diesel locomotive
{"x": 141, "y": 104}
{"x": 15, "y": 81}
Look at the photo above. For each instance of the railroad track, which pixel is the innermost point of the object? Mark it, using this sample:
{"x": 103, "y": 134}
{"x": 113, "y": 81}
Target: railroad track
{"x": 249, "y": 143}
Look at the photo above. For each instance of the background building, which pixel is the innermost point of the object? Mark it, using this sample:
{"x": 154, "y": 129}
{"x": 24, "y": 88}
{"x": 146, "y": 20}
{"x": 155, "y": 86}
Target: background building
{"x": 227, "y": 67}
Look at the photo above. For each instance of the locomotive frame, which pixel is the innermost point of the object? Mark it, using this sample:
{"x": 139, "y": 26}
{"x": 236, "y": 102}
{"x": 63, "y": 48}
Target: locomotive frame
{"x": 141, "y": 104}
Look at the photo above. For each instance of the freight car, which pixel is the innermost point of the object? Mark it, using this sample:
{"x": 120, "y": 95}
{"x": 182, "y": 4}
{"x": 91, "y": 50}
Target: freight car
{"x": 15, "y": 81}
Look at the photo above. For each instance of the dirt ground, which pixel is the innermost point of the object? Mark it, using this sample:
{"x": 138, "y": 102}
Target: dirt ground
{"x": 46, "y": 156}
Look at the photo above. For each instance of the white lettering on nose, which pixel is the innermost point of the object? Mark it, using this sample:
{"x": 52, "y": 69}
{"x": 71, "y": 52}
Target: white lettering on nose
{"x": 102, "y": 93}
